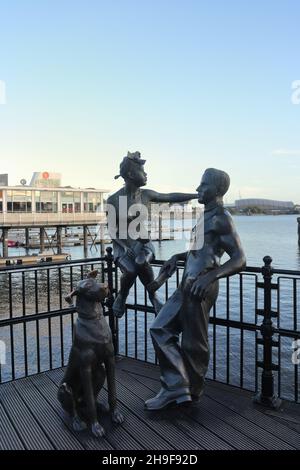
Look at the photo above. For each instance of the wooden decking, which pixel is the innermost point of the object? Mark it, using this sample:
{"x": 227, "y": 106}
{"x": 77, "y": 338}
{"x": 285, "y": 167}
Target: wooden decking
{"x": 31, "y": 418}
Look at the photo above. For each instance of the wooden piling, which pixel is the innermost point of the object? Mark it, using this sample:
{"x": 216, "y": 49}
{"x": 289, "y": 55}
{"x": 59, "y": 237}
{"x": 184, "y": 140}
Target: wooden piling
{"x": 160, "y": 226}
{"x": 172, "y": 225}
{"x": 27, "y": 241}
{"x": 85, "y": 241}
{"x": 59, "y": 239}
{"x": 42, "y": 240}
{"x": 5, "y": 242}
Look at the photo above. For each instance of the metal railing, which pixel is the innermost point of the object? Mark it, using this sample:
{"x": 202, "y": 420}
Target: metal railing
{"x": 254, "y": 326}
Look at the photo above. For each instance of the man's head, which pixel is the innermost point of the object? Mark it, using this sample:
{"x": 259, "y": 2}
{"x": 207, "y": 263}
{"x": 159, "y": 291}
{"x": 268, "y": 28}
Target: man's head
{"x": 214, "y": 184}
{"x": 132, "y": 169}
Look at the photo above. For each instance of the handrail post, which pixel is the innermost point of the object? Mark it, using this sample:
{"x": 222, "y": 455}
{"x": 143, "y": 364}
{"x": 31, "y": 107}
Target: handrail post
{"x": 267, "y": 396}
{"x": 110, "y": 300}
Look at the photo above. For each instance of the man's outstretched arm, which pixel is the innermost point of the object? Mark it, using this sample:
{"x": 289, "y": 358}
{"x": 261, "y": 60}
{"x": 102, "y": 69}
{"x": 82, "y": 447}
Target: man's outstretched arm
{"x": 172, "y": 198}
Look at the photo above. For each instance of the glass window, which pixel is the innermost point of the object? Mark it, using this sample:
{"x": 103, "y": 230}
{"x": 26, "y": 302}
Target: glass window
{"x": 46, "y": 201}
{"x": 19, "y": 200}
{"x": 70, "y": 201}
{"x": 91, "y": 202}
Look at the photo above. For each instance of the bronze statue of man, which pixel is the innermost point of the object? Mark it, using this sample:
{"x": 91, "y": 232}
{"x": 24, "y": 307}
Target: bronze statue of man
{"x": 133, "y": 256}
{"x": 184, "y": 364}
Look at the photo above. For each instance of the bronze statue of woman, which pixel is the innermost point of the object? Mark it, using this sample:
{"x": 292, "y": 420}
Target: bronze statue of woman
{"x": 132, "y": 254}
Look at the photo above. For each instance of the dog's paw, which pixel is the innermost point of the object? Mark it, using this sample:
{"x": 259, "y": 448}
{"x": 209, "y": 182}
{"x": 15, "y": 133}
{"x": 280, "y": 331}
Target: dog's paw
{"x": 78, "y": 425}
{"x": 97, "y": 430}
{"x": 117, "y": 417}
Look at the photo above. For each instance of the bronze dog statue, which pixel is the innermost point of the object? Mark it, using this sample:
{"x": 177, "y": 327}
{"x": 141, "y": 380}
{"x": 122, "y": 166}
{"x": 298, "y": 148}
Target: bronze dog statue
{"x": 91, "y": 360}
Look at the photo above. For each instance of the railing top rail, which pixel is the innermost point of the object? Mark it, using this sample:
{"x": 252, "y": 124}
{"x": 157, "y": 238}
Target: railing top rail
{"x": 156, "y": 262}
{"x": 248, "y": 269}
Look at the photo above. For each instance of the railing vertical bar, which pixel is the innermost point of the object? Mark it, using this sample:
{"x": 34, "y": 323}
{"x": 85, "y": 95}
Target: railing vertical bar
{"x": 135, "y": 322}
{"x": 214, "y": 342}
{"x": 227, "y": 330}
{"x": 61, "y": 320}
{"x": 36, "y": 295}
{"x": 50, "y": 343}
{"x": 256, "y": 335}
{"x": 126, "y": 332}
{"x": 71, "y": 278}
{"x": 72, "y": 324}
{"x": 102, "y": 273}
{"x": 167, "y": 290}
{"x": 12, "y": 352}
{"x": 295, "y": 328}
{"x": 38, "y": 346}
{"x": 60, "y": 287}
{"x": 25, "y": 347}
{"x": 115, "y": 291}
{"x": 145, "y": 328}
{"x": 10, "y": 295}
{"x": 279, "y": 338}
{"x": 242, "y": 332}
{"x": 61, "y": 340}
{"x": 177, "y": 277}
{"x": 48, "y": 290}
{"x": 23, "y": 294}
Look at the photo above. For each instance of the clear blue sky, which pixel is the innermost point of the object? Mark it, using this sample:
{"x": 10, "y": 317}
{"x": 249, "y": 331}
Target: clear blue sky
{"x": 190, "y": 83}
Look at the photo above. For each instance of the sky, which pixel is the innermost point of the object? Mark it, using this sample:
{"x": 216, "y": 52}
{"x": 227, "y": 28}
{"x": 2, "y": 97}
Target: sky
{"x": 191, "y": 84}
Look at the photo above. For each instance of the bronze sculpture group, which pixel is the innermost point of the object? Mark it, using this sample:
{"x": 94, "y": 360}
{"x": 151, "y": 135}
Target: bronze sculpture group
{"x": 180, "y": 330}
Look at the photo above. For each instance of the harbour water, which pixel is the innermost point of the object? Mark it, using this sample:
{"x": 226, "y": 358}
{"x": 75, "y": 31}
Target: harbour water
{"x": 260, "y": 235}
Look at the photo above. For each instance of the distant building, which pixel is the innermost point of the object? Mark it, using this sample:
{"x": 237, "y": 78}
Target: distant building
{"x": 269, "y": 205}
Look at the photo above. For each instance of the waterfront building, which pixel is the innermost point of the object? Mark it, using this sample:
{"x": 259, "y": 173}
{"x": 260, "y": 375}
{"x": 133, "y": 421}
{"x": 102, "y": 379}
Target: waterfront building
{"x": 46, "y": 202}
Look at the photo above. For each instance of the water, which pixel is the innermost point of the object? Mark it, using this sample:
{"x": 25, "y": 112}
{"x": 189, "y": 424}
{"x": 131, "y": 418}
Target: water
{"x": 260, "y": 235}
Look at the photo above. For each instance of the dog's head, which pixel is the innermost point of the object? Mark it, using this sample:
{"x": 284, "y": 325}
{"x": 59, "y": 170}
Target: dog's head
{"x": 104, "y": 290}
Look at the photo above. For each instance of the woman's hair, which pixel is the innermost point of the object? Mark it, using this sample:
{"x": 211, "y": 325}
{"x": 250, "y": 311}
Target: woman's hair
{"x": 125, "y": 167}
{"x": 128, "y": 163}
{"x": 220, "y": 179}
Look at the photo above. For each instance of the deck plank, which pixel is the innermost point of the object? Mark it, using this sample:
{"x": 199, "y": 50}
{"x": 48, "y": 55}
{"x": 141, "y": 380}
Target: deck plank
{"x": 9, "y": 438}
{"x": 49, "y": 391}
{"x": 243, "y": 405}
{"x": 263, "y": 438}
{"x": 28, "y": 427}
{"x": 53, "y": 427}
{"x": 118, "y": 437}
{"x": 31, "y": 417}
{"x": 206, "y": 422}
{"x": 240, "y": 401}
